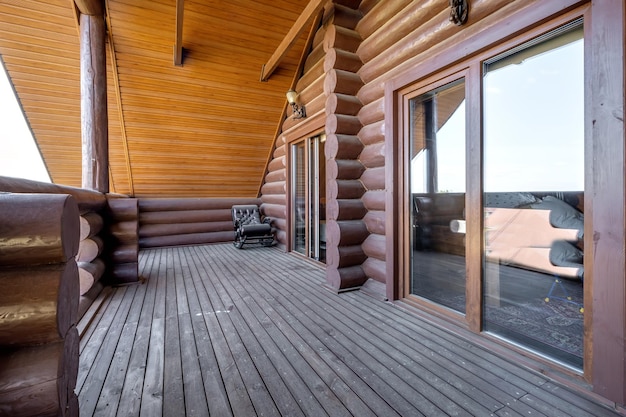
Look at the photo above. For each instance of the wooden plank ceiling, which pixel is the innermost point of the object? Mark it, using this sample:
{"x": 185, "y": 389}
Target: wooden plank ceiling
{"x": 203, "y": 129}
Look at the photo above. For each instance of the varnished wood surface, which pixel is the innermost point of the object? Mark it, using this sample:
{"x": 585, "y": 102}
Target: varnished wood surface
{"x": 220, "y": 331}
{"x": 203, "y": 129}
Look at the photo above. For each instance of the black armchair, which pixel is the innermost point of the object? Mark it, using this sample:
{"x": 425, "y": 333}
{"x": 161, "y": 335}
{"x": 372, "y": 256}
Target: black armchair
{"x": 250, "y": 228}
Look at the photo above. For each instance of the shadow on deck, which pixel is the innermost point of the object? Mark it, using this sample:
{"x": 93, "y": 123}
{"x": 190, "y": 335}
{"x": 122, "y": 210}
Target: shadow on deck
{"x": 225, "y": 332}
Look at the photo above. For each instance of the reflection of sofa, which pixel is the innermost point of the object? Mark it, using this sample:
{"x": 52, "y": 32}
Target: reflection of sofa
{"x": 536, "y": 231}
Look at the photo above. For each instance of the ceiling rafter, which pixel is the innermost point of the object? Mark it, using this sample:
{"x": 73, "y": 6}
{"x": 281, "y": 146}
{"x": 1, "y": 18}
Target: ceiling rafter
{"x": 178, "y": 44}
{"x": 309, "y": 12}
{"x": 294, "y": 81}
{"x": 118, "y": 97}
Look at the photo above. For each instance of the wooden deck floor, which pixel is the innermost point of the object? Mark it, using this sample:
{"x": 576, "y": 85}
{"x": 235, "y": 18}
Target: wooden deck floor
{"x": 225, "y": 332}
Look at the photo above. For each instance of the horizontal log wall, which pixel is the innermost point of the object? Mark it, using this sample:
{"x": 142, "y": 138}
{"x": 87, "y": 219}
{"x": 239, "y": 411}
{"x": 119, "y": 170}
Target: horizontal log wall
{"x": 187, "y": 221}
{"x": 39, "y": 342}
{"x": 91, "y": 244}
{"x": 345, "y": 228}
{"x": 329, "y": 84}
{"x": 396, "y": 33}
{"x": 122, "y": 248}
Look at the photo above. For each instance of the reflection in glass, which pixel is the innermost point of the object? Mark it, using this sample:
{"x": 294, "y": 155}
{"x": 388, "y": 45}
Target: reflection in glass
{"x": 299, "y": 198}
{"x": 309, "y": 198}
{"x": 533, "y": 195}
{"x": 437, "y": 169}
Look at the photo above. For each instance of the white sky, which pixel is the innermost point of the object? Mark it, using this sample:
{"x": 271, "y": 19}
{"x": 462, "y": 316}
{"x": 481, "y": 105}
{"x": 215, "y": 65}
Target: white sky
{"x": 19, "y": 156}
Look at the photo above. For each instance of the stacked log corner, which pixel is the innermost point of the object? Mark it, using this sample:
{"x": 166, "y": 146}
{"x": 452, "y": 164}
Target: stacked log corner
{"x": 122, "y": 235}
{"x": 90, "y": 205}
{"x": 39, "y": 342}
{"x": 165, "y": 222}
{"x": 345, "y": 229}
{"x": 329, "y": 86}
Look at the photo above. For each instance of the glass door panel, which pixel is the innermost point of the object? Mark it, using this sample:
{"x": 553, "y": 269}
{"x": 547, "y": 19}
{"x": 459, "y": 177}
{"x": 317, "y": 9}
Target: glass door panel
{"x": 308, "y": 177}
{"x": 533, "y": 184}
{"x": 437, "y": 184}
{"x": 298, "y": 179}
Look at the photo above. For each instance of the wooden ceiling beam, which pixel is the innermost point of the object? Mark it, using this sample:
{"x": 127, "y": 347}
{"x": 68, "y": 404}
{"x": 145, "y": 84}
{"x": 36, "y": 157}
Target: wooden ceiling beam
{"x": 120, "y": 108}
{"x": 90, "y": 7}
{"x": 307, "y": 15}
{"x": 178, "y": 45}
{"x": 294, "y": 81}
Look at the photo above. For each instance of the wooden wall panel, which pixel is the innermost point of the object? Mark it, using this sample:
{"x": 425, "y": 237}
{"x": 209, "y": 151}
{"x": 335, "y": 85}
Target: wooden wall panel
{"x": 202, "y": 129}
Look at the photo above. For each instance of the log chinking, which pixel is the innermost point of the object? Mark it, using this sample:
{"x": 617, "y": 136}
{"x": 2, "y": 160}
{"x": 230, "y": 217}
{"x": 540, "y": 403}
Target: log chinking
{"x": 39, "y": 342}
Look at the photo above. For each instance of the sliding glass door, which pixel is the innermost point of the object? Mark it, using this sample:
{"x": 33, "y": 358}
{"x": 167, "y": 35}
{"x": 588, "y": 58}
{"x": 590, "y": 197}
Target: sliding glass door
{"x": 533, "y": 193}
{"x": 508, "y": 251}
{"x": 308, "y": 208}
{"x": 437, "y": 166}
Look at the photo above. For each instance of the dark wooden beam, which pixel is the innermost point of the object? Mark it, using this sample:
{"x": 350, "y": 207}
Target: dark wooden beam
{"x": 178, "y": 45}
{"x": 90, "y": 7}
{"x": 308, "y": 14}
{"x": 93, "y": 91}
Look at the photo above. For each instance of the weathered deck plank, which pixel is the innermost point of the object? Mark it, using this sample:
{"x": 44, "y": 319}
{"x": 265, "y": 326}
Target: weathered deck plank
{"x": 217, "y": 331}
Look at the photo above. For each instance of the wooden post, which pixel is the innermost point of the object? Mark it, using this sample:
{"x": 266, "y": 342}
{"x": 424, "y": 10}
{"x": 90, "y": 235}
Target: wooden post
{"x": 93, "y": 91}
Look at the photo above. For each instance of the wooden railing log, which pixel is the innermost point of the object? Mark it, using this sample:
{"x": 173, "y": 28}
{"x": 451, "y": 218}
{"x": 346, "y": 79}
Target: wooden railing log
{"x": 87, "y": 200}
{"x": 40, "y": 380}
{"x": 38, "y": 304}
{"x": 38, "y": 228}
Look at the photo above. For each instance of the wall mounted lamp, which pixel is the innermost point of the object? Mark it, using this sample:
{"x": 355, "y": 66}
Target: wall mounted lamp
{"x": 298, "y": 110}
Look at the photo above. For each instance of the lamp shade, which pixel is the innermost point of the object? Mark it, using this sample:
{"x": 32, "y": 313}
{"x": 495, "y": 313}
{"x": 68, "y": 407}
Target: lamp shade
{"x": 291, "y": 96}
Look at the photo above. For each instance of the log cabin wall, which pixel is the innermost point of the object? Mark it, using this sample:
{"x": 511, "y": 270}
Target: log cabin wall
{"x": 107, "y": 237}
{"x": 187, "y": 221}
{"x": 39, "y": 342}
{"x": 328, "y": 88}
{"x": 122, "y": 254}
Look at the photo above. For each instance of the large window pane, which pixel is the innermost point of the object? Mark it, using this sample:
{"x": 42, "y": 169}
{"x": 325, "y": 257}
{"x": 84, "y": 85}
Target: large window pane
{"x": 437, "y": 167}
{"x": 533, "y": 195}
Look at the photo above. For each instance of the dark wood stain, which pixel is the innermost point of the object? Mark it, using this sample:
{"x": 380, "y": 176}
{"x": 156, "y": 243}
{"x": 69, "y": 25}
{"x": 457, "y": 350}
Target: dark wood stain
{"x": 220, "y": 331}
